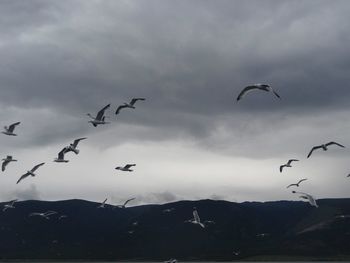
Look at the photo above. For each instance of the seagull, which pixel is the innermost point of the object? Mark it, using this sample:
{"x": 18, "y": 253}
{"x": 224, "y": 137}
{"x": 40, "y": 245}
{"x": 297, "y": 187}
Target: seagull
{"x": 102, "y": 205}
{"x": 259, "y": 86}
{"x": 324, "y": 147}
{"x": 44, "y": 215}
{"x": 297, "y": 184}
{"x": 31, "y": 172}
{"x": 60, "y": 158}
{"x": 169, "y": 210}
{"x": 126, "y": 168}
{"x": 128, "y": 105}
{"x": 9, "y": 130}
{"x": 288, "y": 164}
{"x": 196, "y": 219}
{"x": 62, "y": 216}
{"x": 100, "y": 118}
{"x": 308, "y": 197}
{"x": 6, "y": 161}
{"x": 73, "y": 146}
{"x": 9, "y": 205}
{"x": 124, "y": 205}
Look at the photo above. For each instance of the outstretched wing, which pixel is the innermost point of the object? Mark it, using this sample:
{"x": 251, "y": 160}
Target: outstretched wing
{"x": 127, "y": 201}
{"x": 281, "y": 168}
{"x": 76, "y": 141}
{"x": 335, "y": 143}
{"x": 292, "y": 160}
{"x": 36, "y": 167}
{"x": 61, "y": 154}
{"x": 22, "y": 177}
{"x": 291, "y": 185}
{"x": 119, "y": 108}
{"x": 104, "y": 201}
{"x": 244, "y": 91}
{"x": 196, "y": 216}
{"x": 3, "y": 166}
{"x": 274, "y": 92}
{"x": 134, "y": 100}
{"x": 302, "y": 180}
{"x": 12, "y": 126}
{"x": 313, "y": 148}
{"x": 48, "y": 213}
{"x": 129, "y": 166}
{"x": 102, "y": 112}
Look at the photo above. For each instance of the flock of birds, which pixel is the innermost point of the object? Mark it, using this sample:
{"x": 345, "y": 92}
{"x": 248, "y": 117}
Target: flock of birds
{"x": 100, "y": 119}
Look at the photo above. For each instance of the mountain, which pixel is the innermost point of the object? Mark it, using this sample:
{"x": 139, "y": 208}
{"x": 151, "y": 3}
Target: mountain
{"x": 281, "y": 230}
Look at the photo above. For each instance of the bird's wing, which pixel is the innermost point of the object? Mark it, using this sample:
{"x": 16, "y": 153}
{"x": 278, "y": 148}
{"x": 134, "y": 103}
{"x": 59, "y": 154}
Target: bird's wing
{"x": 12, "y": 126}
{"x": 61, "y": 153}
{"x": 48, "y": 213}
{"x": 102, "y": 112}
{"x": 290, "y": 185}
{"x": 76, "y": 141}
{"x": 302, "y": 180}
{"x": 196, "y": 216}
{"x": 313, "y": 148}
{"x": 245, "y": 90}
{"x": 13, "y": 202}
{"x": 3, "y": 166}
{"x": 134, "y": 100}
{"x": 330, "y": 143}
{"x": 104, "y": 201}
{"x": 281, "y": 167}
{"x": 276, "y": 94}
{"x": 292, "y": 160}
{"x": 119, "y": 108}
{"x": 36, "y": 167}
{"x": 35, "y": 214}
{"x": 22, "y": 177}
{"x": 129, "y": 165}
{"x": 127, "y": 201}
{"x": 312, "y": 200}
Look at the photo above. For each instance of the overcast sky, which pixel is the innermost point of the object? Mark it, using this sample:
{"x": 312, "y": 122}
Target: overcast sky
{"x": 190, "y": 139}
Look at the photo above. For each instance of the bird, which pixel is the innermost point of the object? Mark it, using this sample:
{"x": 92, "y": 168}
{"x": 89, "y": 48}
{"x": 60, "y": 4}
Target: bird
{"x": 10, "y": 129}
{"x": 258, "y": 86}
{"x": 168, "y": 210}
{"x": 196, "y": 219}
{"x": 172, "y": 260}
{"x": 60, "y": 158}
{"x": 31, "y": 172}
{"x": 297, "y": 184}
{"x": 308, "y": 197}
{"x": 323, "y": 147}
{"x": 127, "y": 201}
{"x": 348, "y": 175}
{"x": 9, "y": 205}
{"x": 288, "y": 164}
{"x": 73, "y": 146}
{"x": 102, "y": 205}
{"x": 62, "y": 216}
{"x": 100, "y": 118}
{"x": 128, "y": 105}
{"x": 6, "y": 161}
{"x": 126, "y": 168}
{"x": 44, "y": 215}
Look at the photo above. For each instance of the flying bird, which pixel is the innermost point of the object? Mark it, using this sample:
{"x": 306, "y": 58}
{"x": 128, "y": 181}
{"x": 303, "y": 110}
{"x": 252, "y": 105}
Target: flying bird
{"x": 73, "y": 146}
{"x": 60, "y": 158}
{"x": 10, "y": 129}
{"x": 126, "y": 168}
{"x": 288, "y": 164}
{"x": 168, "y": 210}
{"x": 324, "y": 147}
{"x": 259, "y": 86}
{"x": 44, "y": 215}
{"x": 196, "y": 219}
{"x": 128, "y": 105}
{"x": 308, "y": 197}
{"x": 9, "y": 205}
{"x": 127, "y": 201}
{"x": 62, "y": 216}
{"x": 6, "y": 161}
{"x": 31, "y": 172}
{"x": 100, "y": 118}
{"x": 297, "y": 184}
{"x": 102, "y": 205}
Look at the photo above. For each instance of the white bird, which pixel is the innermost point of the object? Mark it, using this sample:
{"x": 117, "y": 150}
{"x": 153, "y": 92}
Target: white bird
{"x": 128, "y": 105}
{"x": 297, "y": 184}
{"x": 44, "y": 215}
{"x": 6, "y": 161}
{"x": 127, "y": 201}
{"x": 126, "y": 168}
{"x": 308, "y": 197}
{"x": 323, "y": 147}
{"x": 100, "y": 118}
{"x": 31, "y": 172}
{"x": 102, "y": 205}
{"x": 62, "y": 216}
{"x": 9, "y": 205}
{"x": 60, "y": 158}
{"x": 259, "y": 86}
{"x": 9, "y": 130}
{"x": 288, "y": 164}
{"x": 73, "y": 146}
{"x": 168, "y": 210}
{"x": 196, "y": 219}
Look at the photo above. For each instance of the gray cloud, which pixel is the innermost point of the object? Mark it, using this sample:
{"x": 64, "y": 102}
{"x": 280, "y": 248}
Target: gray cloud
{"x": 30, "y": 193}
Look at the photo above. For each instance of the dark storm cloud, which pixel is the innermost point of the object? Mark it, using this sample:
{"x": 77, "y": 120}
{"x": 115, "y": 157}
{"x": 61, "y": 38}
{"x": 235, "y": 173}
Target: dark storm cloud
{"x": 189, "y": 59}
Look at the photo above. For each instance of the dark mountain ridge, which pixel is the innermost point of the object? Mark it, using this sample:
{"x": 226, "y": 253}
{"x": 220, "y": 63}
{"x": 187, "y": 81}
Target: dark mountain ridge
{"x": 281, "y": 229}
